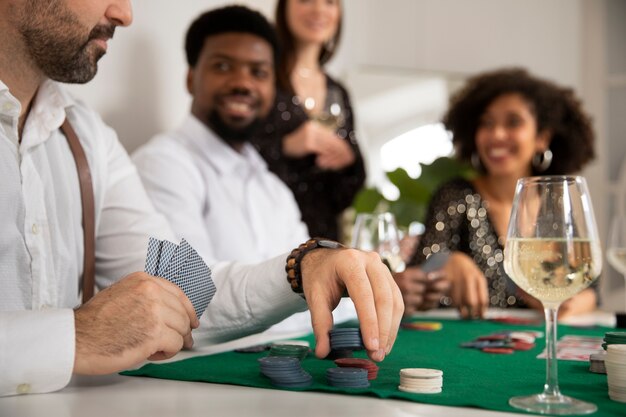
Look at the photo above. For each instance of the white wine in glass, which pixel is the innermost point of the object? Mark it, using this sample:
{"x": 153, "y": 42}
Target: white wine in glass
{"x": 379, "y": 233}
{"x": 552, "y": 252}
{"x": 616, "y": 248}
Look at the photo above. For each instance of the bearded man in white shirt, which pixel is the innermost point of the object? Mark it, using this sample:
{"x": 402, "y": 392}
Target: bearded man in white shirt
{"x": 210, "y": 183}
{"x": 44, "y": 336}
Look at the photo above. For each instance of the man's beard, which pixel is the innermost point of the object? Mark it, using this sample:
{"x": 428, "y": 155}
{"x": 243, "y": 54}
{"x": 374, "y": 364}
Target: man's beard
{"x": 57, "y": 42}
{"x": 232, "y": 135}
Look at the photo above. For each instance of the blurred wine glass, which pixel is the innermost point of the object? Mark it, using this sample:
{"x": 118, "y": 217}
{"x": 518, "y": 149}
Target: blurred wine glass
{"x": 616, "y": 248}
{"x": 332, "y": 115}
{"x": 379, "y": 233}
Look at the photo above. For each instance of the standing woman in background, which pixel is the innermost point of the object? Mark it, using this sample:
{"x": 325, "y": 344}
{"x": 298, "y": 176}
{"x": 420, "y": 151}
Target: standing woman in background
{"x": 309, "y": 139}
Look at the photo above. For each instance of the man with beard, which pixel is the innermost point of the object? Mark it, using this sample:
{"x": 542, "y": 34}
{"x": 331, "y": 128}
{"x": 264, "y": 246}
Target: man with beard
{"x": 44, "y": 336}
{"x": 212, "y": 185}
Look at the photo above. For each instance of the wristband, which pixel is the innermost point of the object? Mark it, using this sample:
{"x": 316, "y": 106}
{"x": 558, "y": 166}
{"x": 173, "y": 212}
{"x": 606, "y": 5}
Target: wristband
{"x": 294, "y": 275}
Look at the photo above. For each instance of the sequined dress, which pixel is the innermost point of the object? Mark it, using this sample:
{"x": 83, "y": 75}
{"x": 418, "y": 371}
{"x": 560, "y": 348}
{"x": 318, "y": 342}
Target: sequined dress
{"x": 321, "y": 195}
{"x": 458, "y": 220}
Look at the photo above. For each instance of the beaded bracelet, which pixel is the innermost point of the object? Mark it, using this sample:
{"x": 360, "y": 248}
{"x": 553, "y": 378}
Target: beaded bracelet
{"x": 292, "y": 267}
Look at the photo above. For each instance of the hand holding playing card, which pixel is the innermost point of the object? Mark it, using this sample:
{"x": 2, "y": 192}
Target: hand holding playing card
{"x": 137, "y": 318}
{"x": 327, "y": 273}
{"x": 421, "y": 290}
{"x": 181, "y": 265}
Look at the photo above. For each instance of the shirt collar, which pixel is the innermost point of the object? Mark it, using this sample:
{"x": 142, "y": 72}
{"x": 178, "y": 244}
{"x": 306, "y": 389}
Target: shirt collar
{"x": 46, "y": 115}
{"x": 218, "y": 153}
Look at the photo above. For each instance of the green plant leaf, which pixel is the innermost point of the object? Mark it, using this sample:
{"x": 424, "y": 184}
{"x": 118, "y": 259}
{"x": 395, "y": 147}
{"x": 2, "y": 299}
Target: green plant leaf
{"x": 367, "y": 200}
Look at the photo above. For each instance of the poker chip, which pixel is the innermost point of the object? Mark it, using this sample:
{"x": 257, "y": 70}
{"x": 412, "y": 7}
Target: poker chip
{"x": 421, "y": 380}
{"x": 294, "y": 351}
{"x": 339, "y": 354}
{"x": 503, "y": 342}
{"x": 614, "y": 338}
{"x": 254, "y": 349}
{"x": 346, "y": 338}
{"x": 347, "y": 377}
{"x": 615, "y": 363}
{"x": 500, "y": 350}
{"x": 285, "y": 372}
{"x": 369, "y": 366}
{"x": 596, "y": 362}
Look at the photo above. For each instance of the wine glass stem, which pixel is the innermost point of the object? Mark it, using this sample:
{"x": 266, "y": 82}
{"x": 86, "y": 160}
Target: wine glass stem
{"x": 552, "y": 375}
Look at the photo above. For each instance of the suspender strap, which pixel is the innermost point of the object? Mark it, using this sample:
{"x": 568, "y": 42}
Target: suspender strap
{"x": 88, "y": 205}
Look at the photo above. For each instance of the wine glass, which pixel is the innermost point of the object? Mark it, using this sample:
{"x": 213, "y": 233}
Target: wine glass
{"x": 552, "y": 252}
{"x": 379, "y": 233}
{"x": 332, "y": 115}
{"x": 616, "y": 249}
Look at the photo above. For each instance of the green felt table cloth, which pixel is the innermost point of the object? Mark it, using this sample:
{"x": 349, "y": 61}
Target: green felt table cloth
{"x": 471, "y": 378}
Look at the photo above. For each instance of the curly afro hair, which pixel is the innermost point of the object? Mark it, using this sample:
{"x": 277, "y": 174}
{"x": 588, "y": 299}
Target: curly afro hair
{"x": 555, "y": 108}
{"x": 227, "y": 19}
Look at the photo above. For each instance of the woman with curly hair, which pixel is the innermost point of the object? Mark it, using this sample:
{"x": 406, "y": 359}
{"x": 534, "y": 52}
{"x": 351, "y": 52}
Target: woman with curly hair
{"x": 508, "y": 124}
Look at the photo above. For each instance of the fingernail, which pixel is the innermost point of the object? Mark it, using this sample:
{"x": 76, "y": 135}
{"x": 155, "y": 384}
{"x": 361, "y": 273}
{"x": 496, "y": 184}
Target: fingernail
{"x": 387, "y": 350}
{"x": 380, "y": 355}
{"x": 373, "y": 344}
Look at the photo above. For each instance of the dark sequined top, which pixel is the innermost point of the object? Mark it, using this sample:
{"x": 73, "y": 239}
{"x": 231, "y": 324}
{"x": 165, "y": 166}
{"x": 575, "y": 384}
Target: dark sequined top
{"x": 321, "y": 195}
{"x": 458, "y": 220}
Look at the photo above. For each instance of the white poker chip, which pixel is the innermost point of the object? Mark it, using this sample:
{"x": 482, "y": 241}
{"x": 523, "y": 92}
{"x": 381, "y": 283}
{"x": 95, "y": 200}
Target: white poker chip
{"x": 523, "y": 336}
{"x": 420, "y": 373}
{"x": 423, "y": 382}
{"x": 420, "y": 391}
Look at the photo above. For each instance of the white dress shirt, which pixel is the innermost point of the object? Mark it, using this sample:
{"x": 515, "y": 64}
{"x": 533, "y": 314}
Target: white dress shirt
{"x": 41, "y": 243}
{"x": 226, "y": 203}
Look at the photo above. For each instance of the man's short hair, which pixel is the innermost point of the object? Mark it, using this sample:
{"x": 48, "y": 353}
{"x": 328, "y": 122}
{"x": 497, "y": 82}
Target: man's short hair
{"x": 227, "y": 19}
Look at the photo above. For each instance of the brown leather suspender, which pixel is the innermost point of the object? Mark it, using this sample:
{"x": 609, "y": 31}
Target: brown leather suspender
{"x": 87, "y": 198}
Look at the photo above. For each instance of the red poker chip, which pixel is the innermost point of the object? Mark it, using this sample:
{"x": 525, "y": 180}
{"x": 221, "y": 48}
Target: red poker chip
{"x": 523, "y": 345}
{"x": 503, "y": 351}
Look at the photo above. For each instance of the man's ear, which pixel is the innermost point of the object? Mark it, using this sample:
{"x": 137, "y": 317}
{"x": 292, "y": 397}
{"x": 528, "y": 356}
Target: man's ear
{"x": 190, "y": 73}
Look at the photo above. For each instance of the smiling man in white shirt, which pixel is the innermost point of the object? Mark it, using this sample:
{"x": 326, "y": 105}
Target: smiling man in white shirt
{"x": 45, "y": 335}
{"x": 212, "y": 185}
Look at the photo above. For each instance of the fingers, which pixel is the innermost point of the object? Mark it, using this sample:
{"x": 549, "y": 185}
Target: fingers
{"x": 182, "y": 299}
{"x": 398, "y": 312}
{"x": 382, "y": 289}
{"x": 322, "y": 322}
{"x": 360, "y": 289}
{"x": 170, "y": 343}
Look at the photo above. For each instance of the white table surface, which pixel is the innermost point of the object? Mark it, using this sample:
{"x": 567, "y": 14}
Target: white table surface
{"x": 121, "y": 396}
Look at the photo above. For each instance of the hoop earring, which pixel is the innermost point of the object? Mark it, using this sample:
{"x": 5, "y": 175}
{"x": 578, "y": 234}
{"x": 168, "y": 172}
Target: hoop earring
{"x": 542, "y": 160}
{"x": 476, "y": 163}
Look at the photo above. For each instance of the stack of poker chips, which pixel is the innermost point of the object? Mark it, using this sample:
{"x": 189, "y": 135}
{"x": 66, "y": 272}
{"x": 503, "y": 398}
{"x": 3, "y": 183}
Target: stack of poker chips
{"x": 503, "y": 342}
{"x": 286, "y": 350}
{"x": 285, "y": 372}
{"x": 596, "y": 362}
{"x": 346, "y": 338}
{"x": 421, "y": 380}
{"x": 369, "y": 366}
{"x": 347, "y": 377}
{"x": 614, "y": 338}
{"x": 615, "y": 363}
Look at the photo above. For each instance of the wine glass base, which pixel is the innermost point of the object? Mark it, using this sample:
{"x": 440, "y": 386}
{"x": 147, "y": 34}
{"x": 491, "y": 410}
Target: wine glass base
{"x": 552, "y": 404}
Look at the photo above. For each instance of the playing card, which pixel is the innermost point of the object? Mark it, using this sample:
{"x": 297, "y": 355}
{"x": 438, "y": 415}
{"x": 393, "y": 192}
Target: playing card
{"x": 177, "y": 260}
{"x": 167, "y": 252}
{"x": 194, "y": 278}
{"x": 181, "y": 265}
{"x": 152, "y": 258}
